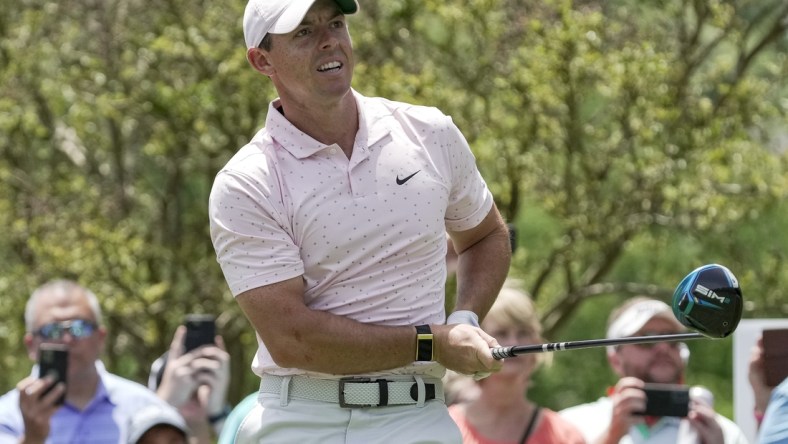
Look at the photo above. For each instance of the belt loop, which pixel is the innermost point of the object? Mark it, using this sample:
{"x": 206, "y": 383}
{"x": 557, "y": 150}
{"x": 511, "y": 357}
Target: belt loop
{"x": 284, "y": 392}
{"x": 421, "y": 391}
{"x": 383, "y": 389}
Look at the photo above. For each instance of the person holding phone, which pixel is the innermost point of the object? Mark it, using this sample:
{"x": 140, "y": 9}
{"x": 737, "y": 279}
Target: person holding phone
{"x": 771, "y": 397}
{"x": 66, "y": 313}
{"x": 194, "y": 376}
{"x": 621, "y": 416}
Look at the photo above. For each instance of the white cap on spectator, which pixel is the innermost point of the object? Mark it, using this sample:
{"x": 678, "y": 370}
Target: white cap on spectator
{"x": 634, "y": 317}
{"x": 154, "y": 415}
{"x": 263, "y": 17}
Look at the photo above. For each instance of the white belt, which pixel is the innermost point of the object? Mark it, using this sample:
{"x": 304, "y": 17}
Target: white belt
{"x": 357, "y": 391}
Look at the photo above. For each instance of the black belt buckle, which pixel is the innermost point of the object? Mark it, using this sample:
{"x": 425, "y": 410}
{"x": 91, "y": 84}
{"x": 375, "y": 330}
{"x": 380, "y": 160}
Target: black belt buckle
{"x": 383, "y": 388}
{"x": 429, "y": 392}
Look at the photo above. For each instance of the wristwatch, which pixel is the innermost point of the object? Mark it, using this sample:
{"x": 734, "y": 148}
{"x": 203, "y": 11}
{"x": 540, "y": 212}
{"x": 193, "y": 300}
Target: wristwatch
{"x": 423, "y": 343}
{"x": 222, "y": 415}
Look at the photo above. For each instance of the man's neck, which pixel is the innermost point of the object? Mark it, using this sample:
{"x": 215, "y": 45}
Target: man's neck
{"x": 329, "y": 123}
{"x": 81, "y": 390}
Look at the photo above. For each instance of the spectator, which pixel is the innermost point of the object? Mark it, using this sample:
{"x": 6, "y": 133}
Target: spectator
{"x": 158, "y": 424}
{"x": 771, "y": 404}
{"x": 64, "y": 312}
{"x": 615, "y": 418}
{"x": 330, "y": 230}
{"x": 499, "y": 411}
{"x": 236, "y": 418}
{"x": 196, "y": 383}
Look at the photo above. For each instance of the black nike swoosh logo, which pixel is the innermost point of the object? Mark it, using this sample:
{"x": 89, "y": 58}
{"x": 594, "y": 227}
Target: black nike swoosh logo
{"x": 405, "y": 179}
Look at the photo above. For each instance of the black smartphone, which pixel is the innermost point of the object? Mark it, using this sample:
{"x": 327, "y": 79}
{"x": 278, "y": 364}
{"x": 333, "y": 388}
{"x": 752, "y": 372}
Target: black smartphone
{"x": 775, "y": 355}
{"x": 200, "y": 330}
{"x": 53, "y": 360}
{"x": 512, "y": 236}
{"x": 666, "y": 400}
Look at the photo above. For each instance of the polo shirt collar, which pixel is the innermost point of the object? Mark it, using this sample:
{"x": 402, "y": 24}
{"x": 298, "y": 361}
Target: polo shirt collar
{"x": 301, "y": 145}
{"x": 103, "y": 391}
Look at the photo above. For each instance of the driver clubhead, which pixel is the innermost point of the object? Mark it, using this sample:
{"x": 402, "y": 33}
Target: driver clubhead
{"x": 709, "y": 301}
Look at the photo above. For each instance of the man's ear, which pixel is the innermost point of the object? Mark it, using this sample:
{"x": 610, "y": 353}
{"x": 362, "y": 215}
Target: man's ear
{"x": 101, "y": 334}
{"x": 32, "y": 348}
{"x": 259, "y": 60}
{"x": 615, "y": 362}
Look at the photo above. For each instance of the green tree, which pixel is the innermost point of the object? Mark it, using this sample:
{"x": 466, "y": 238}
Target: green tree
{"x": 116, "y": 116}
{"x": 628, "y": 141}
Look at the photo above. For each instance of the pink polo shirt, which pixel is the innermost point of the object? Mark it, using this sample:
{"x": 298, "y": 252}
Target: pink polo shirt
{"x": 367, "y": 234}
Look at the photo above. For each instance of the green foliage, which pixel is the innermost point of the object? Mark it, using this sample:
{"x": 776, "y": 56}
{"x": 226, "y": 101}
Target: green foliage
{"x": 628, "y": 141}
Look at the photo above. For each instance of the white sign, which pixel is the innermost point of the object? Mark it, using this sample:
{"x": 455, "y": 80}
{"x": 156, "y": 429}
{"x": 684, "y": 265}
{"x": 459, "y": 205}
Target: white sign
{"x": 744, "y": 339}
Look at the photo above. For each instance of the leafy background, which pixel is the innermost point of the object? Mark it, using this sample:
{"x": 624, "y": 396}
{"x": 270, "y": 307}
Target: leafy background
{"x": 628, "y": 142}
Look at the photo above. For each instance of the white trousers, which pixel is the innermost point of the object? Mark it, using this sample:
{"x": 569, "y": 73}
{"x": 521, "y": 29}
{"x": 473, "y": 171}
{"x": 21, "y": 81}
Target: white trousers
{"x": 303, "y": 421}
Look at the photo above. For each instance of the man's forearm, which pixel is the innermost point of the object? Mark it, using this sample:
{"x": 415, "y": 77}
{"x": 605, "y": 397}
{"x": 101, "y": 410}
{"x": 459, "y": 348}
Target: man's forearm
{"x": 312, "y": 340}
{"x": 297, "y": 336}
{"x": 333, "y": 344}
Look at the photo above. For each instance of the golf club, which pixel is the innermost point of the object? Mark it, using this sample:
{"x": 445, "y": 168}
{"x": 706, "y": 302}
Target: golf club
{"x": 708, "y": 300}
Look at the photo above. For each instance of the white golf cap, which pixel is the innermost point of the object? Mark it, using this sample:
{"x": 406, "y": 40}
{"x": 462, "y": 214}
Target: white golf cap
{"x": 262, "y": 17}
{"x": 634, "y": 317}
{"x": 151, "y": 416}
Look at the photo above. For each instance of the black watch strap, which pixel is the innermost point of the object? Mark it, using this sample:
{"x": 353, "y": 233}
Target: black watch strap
{"x": 423, "y": 343}
{"x": 213, "y": 419}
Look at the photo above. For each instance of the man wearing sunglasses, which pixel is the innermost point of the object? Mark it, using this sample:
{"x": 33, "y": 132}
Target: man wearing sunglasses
{"x": 618, "y": 417}
{"x": 97, "y": 405}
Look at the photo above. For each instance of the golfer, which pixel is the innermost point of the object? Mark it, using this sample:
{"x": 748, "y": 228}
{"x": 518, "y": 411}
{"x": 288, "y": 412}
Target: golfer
{"x": 330, "y": 226}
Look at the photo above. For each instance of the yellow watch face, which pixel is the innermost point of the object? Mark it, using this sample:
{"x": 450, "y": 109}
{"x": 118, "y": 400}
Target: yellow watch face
{"x": 424, "y": 347}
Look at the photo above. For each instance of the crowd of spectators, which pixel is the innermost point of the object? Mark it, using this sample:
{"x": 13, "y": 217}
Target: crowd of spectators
{"x": 186, "y": 397}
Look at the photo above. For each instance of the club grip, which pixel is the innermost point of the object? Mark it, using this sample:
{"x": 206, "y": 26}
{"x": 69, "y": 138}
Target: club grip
{"x": 502, "y": 352}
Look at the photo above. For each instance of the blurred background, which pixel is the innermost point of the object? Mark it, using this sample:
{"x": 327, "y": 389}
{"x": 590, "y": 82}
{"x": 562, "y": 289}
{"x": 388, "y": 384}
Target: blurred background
{"x": 629, "y": 142}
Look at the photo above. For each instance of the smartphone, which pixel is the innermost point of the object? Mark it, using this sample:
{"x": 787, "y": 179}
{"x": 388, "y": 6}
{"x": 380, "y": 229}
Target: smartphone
{"x": 512, "y": 236}
{"x": 53, "y": 359}
{"x": 200, "y": 330}
{"x": 775, "y": 355}
{"x": 666, "y": 400}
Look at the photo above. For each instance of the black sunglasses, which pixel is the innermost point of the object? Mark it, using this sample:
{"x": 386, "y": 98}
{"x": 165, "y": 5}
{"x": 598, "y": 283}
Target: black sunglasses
{"x": 650, "y": 345}
{"x": 77, "y": 328}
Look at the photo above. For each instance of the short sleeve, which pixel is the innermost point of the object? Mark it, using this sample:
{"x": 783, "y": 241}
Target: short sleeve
{"x": 470, "y": 200}
{"x": 250, "y": 233}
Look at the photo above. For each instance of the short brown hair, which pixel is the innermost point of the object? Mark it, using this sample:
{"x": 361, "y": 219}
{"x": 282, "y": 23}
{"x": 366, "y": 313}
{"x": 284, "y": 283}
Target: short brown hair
{"x": 266, "y": 43}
